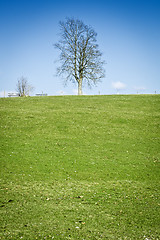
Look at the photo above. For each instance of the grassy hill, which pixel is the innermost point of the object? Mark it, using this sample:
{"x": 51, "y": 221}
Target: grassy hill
{"x": 80, "y": 167}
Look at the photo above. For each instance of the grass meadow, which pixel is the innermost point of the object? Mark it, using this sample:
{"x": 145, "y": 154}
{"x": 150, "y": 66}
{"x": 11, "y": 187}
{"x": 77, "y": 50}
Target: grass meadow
{"x": 80, "y": 167}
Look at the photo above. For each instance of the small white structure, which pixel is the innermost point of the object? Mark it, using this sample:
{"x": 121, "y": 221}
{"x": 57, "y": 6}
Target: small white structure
{"x": 41, "y": 94}
{"x": 12, "y": 94}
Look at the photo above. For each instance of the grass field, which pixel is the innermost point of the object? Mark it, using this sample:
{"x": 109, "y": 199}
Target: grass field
{"x": 80, "y": 167}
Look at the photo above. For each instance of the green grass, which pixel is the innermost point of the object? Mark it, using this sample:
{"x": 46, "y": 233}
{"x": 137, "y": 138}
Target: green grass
{"x": 80, "y": 167}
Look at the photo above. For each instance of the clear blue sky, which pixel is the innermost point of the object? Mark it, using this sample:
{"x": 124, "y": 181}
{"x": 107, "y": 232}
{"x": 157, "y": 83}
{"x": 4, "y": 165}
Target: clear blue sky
{"x": 128, "y": 36}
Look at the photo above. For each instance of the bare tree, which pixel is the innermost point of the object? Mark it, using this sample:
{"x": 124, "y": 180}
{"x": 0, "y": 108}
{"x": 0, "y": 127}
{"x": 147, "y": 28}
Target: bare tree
{"x": 80, "y": 57}
{"x": 23, "y": 87}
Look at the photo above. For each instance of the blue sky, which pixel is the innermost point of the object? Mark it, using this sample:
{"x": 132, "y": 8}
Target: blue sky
{"x": 128, "y": 36}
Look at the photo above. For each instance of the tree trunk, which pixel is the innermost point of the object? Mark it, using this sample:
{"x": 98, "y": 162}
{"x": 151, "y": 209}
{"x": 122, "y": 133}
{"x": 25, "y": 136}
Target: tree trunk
{"x": 80, "y": 87}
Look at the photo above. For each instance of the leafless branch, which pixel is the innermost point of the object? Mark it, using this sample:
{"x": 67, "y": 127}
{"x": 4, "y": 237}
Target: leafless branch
{"x": 80, "y": 57}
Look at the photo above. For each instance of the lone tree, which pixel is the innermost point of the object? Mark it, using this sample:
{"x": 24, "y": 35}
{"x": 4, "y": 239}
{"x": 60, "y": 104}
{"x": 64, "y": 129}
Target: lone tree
{"x": 23, "y": 87}
{"x": 80, "y": 57}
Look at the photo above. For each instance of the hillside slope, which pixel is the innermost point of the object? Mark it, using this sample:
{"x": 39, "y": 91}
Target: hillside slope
{"x": 80, "y": 167}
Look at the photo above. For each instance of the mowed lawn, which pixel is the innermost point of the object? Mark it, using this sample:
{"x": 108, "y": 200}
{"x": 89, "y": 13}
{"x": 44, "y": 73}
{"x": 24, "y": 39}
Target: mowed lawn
{"x": 80, "y": 167}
